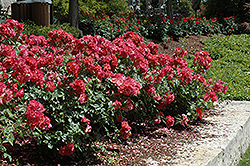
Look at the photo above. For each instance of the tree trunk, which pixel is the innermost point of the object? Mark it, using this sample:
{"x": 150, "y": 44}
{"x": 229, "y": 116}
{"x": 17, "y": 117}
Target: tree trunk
{"x": 73, "y": 13}
{"x": 196, "y": 5}
{"x": 148, "y": 4}
{"x": 169, "y": 9}
{"x": 130, "y": 2}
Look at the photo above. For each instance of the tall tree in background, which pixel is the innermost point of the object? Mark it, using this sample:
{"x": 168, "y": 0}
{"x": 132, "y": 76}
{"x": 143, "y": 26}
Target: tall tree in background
{"x": 73, "y": 13}
{"x": 196, "y": 5}
{"x": 170, "y": 9}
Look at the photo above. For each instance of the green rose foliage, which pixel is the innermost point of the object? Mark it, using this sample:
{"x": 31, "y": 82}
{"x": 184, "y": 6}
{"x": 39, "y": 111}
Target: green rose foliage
{"x": 67, "y": 92}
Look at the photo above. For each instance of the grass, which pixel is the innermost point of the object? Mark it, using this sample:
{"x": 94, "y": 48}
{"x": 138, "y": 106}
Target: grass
{"x": 245, "y": 160}
{"x": 232, "y": 65}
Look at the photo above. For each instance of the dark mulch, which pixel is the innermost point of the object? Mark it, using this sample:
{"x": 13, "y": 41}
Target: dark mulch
{"x": 191, "y": 44}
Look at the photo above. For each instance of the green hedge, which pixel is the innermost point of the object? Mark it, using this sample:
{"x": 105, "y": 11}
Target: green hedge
{"x": 38, "y": 30}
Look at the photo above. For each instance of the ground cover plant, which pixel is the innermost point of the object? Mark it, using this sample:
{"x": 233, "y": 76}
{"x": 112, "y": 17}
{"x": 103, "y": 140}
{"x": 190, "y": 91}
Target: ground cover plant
{"x": 231, "y": 63}
{"x": 244, "y": 161}
{"x": 66, "y": 93}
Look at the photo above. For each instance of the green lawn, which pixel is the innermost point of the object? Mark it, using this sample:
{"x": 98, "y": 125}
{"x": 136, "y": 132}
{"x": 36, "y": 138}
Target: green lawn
{"x": 232, "y": 64}
{"x": 245, "y": 160}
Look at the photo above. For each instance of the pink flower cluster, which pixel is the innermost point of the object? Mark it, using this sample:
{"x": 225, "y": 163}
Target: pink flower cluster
{"x": 203, "y": 59}
{"x": 168, "y": 98}
{"x": 157, "y": 120}
{"x": 184, "y": 120}
{"x": 169, "y": 121}
{"x": 125, "y": 130}
{"x": 88, "y": 128}
{"x": 73, "y": 68}
{"x": 6, "y": 94}
{"x": 60, "y": 38}
{"x": 218, "y": 87}
{"x": 199, "y": 113}
{"x": 35, "y": 117}
{"x": 126, "y": 85}
{"x": 11, "y": 29}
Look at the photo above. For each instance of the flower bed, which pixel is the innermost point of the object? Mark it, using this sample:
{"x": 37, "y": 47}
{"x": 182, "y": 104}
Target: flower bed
{"x": 67, "y": 93}
{"x": 156, "y": 26}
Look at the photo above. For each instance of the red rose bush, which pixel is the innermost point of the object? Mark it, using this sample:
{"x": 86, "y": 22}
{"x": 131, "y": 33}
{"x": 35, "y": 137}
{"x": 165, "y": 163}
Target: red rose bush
{"x": 67, "y": 92}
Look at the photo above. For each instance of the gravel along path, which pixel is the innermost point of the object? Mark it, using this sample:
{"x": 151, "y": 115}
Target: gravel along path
{"x": 221, "y": 142}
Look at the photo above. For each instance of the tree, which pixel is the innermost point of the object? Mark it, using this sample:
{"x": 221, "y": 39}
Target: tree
{"x": 183, "y": 7}
{"x": 73, "y": 13}
{"x": 169, "y": 9}
{"x": 196, "y": 5}
{"x": 117, "y": 7}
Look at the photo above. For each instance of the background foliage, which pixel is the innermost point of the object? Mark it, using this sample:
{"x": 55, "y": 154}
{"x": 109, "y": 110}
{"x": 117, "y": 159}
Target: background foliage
{"x": 226, "y": 8}
{"x": 39, "y": 30}
{"x": 183, "y": 7}
{"x": 109, "y": 7}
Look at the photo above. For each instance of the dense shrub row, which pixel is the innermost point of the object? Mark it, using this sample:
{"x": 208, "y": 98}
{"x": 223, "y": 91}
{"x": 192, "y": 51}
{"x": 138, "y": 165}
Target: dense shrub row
{"x": 67, "y": 92}
{"x": 226, "y": 8}
{"x": 155, "y": 26}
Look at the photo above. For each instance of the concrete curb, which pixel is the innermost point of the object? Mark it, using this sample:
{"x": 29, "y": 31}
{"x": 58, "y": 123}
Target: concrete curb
{"x": 222, "y": 142}
{"x": 231, "y": 155}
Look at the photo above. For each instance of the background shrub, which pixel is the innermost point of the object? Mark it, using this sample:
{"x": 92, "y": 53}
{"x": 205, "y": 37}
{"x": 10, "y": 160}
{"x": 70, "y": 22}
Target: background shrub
{"x": 183, "y": 7}
{"x": 110, "y": 27}
{"x": 39, "y": 30}
{"x": 155, "y": 26}
{"x": 98, "y": 7}
{"x": 226, "y": 8}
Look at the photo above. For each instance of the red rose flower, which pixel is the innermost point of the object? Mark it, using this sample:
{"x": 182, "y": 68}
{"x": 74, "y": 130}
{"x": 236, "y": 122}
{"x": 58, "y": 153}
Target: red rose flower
{"x": 50, "y": 86}
{"x": 73, "y": 68}
{"x": 206, "y": 97}
{"x": 169, "y": 121}
{"x": 78, "y": 86}
{"x": 88, "y": 129}
{"x": 157, "y": 121}
{"x": 67, "y": 150}
{"x": 83, "y": 97}
{"x": 119, "y": 118}
{"x": 126, "y": 130}
{"x": 84, "y": 119}
{"x": 199, "y": 112}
